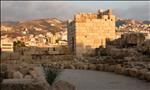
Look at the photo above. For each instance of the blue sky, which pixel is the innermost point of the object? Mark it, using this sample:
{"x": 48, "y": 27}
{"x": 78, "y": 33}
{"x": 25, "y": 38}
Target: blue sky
{"x": 27, "y": 10}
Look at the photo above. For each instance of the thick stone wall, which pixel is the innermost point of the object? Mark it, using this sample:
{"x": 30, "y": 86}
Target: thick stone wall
{"x": 89, "y": 31}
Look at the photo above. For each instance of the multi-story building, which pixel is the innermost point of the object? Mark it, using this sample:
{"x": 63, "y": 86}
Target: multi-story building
{"x": 6, "y": 45}
{"x": 5, "y": 28}
{"x": 90, "y": 30}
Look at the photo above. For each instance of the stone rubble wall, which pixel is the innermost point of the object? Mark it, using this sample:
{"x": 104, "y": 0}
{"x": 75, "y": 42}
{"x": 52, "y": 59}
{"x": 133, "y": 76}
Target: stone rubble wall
{"x": 35, "y": 80}
{"x": 138, "y": 70}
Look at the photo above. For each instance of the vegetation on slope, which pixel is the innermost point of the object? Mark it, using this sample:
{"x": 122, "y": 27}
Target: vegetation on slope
{"x": 51, "y": 74}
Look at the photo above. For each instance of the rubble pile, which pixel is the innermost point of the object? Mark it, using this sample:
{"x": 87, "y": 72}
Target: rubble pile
{"x": 144, "y": 47}
{"x": 25, "y": 76}
{"x": 132, "y": 59}
{"x": 128, "y": 40}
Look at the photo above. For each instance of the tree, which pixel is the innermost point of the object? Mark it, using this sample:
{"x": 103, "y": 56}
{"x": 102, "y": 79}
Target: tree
{"x": 18, "y": 44}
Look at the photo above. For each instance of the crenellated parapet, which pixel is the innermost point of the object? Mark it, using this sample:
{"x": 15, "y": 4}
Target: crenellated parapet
{"x": 106, "y": 15}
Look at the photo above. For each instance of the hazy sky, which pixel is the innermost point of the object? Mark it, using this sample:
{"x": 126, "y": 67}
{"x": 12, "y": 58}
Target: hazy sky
{"x": 26, "y": 10}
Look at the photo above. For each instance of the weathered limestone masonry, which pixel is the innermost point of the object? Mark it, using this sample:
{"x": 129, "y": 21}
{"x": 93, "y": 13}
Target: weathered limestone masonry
{"x": 90, "y": 30}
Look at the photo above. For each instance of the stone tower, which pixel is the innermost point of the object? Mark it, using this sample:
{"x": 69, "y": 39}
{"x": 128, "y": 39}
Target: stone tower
{"x": 90, "y": 30}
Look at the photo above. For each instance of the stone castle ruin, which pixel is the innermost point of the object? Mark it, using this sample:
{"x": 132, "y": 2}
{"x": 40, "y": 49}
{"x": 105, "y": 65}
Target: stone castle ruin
{"x": 90, "y": 30}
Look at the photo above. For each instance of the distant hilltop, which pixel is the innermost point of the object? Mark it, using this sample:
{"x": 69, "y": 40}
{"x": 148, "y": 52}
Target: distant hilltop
{"x": 120, "y": 22}
{"x": 49, "y": 24}
{"x": 146, "y": 22}
{"x": 55, "y": 20}
{"x": 54, "y": 25}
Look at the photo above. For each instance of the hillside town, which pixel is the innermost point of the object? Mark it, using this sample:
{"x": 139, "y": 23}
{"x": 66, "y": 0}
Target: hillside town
{"x": 35, "y": 38}
{"x": 130, "y": 26}
{"x": 47, "y": 38}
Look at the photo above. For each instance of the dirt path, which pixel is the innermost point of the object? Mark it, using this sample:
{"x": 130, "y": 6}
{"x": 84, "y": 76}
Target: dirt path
{"x": 95, "y": 80}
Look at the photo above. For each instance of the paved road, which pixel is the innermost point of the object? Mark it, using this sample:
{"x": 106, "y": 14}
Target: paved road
{"x": 95, "y": 80}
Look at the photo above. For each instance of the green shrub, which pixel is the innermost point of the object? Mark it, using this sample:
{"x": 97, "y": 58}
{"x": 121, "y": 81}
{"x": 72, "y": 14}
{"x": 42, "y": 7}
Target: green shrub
{"x": 51, "y": 74}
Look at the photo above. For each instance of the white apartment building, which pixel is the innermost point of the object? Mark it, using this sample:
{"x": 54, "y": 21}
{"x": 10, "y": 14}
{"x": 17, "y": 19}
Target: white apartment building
{"x": 7, "y": 45}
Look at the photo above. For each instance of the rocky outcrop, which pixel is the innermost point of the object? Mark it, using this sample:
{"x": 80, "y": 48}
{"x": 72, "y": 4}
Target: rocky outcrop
{"x": 17, "y": 75}
{"x": 63, "y": 85}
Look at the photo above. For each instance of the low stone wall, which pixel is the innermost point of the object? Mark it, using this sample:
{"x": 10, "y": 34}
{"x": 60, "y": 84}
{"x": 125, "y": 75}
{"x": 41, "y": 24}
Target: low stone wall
{"x": 34, "y": 80}
{"x": 133, "y": 71}
{"x": 23, "y": 84}
{"x": 30, "y": 84}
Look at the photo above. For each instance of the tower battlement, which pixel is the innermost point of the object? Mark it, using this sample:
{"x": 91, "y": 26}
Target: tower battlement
{"x": 82, "y": 17}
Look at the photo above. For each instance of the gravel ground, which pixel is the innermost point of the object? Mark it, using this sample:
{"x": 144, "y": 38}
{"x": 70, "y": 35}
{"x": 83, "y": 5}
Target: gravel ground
{"x": 95, "y": 80}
